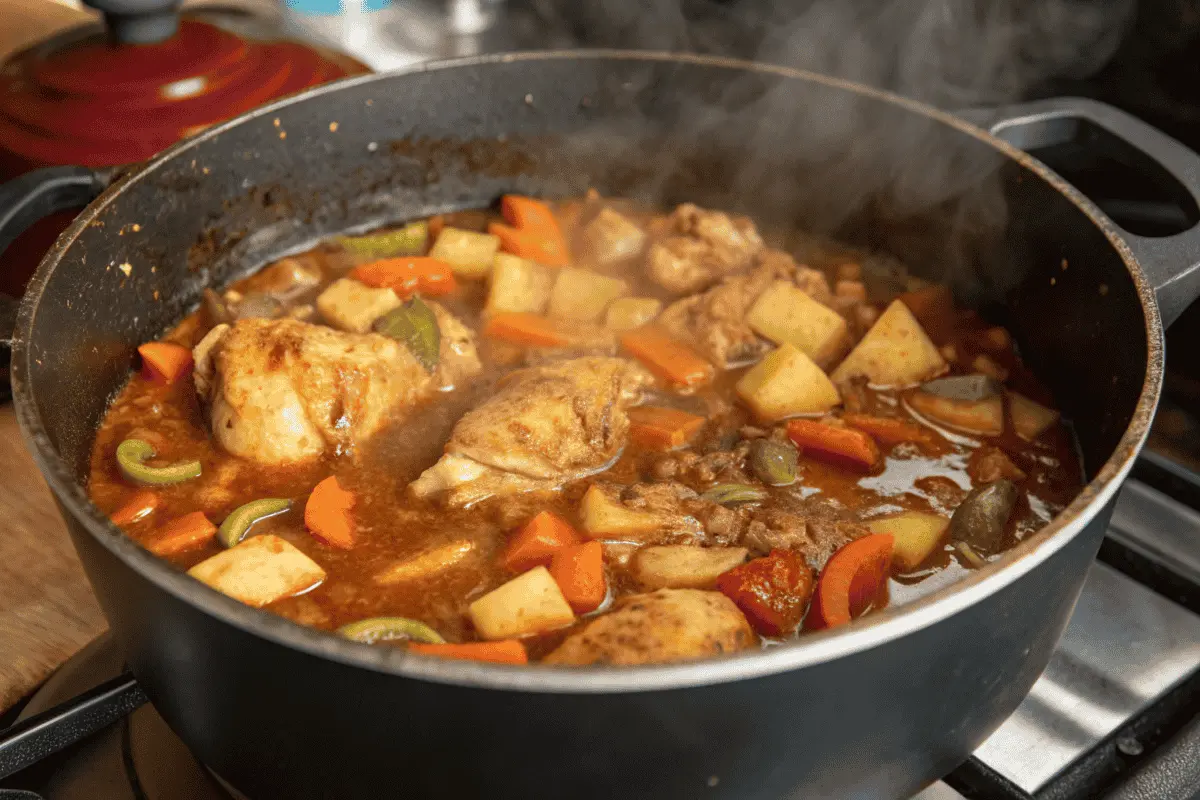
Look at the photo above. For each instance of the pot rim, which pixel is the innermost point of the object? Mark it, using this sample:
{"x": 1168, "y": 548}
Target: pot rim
{"x": 871, "y": 631}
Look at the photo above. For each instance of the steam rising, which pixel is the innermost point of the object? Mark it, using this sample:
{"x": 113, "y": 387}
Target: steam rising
{"x": 862, "y": 160}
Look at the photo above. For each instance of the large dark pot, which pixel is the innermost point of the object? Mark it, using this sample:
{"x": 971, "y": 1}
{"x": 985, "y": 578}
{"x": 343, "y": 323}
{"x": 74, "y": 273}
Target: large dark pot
{"x": 877, "y": 709}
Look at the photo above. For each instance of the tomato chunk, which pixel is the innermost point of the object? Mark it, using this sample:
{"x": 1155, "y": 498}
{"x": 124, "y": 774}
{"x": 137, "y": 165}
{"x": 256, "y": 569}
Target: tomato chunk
{"x": 772, "y": 591}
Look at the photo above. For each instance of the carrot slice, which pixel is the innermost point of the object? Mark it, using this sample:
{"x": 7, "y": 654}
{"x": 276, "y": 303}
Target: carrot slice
{"x": 666, "y": 357}
{"x": 853, "y": 580}
{"x": 521, "y": 327}
{"x": 190, "y": 530}
{"x": 505, "y": 651}
{"x": 536, "y": 542}
{"x": 772, "y": 591}
{"x": 140, "y": 506}
{"x": 890, "y": 431}
{"x": 407, "y": 276}
{"x": 165, "y": 362}
{"x": 327, "y": 514}
{"x": 535, "y": 244}
{"x": 843, "y": 447}
{"x": 656, "y": 428}
{"x": 527, "y": 213}
{"x": 579, "y": 573}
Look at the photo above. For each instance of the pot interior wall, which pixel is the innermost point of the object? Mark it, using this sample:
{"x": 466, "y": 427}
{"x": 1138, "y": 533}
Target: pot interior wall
{"x": 798, "y": 155}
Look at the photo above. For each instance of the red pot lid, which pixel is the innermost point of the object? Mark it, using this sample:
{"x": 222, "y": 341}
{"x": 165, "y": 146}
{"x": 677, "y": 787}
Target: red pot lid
{"x": 79, "y": 99}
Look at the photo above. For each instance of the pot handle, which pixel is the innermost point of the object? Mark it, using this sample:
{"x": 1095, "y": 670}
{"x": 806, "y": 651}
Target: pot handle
{"x": 42, "y": 192}
{"x": 25, "y": 200}
{"x": 1172, "y": 263}
{"x": 44, "y": 734}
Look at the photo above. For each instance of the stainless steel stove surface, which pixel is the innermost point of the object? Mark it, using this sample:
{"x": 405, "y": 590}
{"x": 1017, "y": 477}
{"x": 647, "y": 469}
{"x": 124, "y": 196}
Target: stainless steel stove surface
{"x": 1114, "y": 715}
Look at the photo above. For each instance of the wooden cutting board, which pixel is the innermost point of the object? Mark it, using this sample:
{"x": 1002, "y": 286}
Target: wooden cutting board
{"x": 47, "y": 609}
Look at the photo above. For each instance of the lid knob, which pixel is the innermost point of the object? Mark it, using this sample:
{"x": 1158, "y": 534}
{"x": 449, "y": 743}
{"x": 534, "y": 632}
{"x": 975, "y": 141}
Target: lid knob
{"x": 139, "y": 21}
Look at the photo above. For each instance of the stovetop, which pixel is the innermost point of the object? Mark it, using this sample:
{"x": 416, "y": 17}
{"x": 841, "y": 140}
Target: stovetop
{"x": 1114, "y": 715}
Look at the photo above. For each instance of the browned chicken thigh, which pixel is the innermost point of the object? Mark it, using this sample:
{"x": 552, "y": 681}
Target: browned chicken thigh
{"x": 545, "y": 425}
{"x": 282, "y": 391}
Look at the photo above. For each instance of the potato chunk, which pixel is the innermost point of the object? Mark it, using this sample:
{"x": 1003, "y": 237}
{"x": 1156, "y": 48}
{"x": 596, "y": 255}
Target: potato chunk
{"x": 529, "y": 603}
{"x": 469, "y": 253}
{"x": 583, "y": 295}
{"x": 659, "y": 627}
{"x": 984, "y": 417}
{"x": 259, "y": 571}
{"x": 605, "y": 518}
{"x": 915, "y": 534}
{"x": 349, "y": 305}
{"x": 787, "y": 383}
{"x": 895, "y": 352}
{"x": 518, "y": 285}
{"x": 786, "y": 315}
{"x": 684, "y": 566}
{"x": 1030, "y": 420}
{"x": 627, "y": 313}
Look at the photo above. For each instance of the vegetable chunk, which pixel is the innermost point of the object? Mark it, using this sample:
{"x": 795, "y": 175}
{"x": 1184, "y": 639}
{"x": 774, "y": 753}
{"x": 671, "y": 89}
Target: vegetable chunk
{"x": 536, "y": 542}
{"x": 529, "y": 603}
{"x": 428, "y": 563}
{"x": 984, "y": 417}
{"x": 350, "y": 305}
{"x": 656, "y": 428}
{"x": 684, "y": 566}
{"x": 853, "y": 581}
{"x": 787, "y": 383}
{"x": 604, "y": 517}
{"x": 627, "y": 313}
{"x": 663, "y": 626}
{"x": 518, "y": 285}
{"x": 785, "y": 314}
{"x": 259, "y": 571}
{"x": 468, "y": 253}
{"x": 772, "y": 591}
{"x": 1030, "y": 420}
{"x": 916, "y": 535}
{"x": 582, "y": 295}
{"x": 895, "y": 352}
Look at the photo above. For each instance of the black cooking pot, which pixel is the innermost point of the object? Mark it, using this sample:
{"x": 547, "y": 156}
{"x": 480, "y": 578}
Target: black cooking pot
{"x": 877, "y": 709}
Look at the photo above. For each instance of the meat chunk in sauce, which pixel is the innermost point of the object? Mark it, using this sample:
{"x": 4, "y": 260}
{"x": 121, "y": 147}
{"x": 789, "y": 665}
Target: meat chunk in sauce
{"x": 714, "y": 322}
{"x": 544, "y": 426}
{"x": 653, "y": 513}
{"x": 700, "y": 247}
{"x": 283, "y": 391}
{"x": 663, "y": 626}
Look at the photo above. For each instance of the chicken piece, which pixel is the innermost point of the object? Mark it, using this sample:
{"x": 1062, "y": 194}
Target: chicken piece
{"x": 544, "y": 426}
{"x": 283, "y": 391}
{"x": 701, "y": 247}
{"x": 289, "y": 277}
{"x": 611, "y": 237}
{"x": 663, "y": 626}
{"x": 714, "y": 322}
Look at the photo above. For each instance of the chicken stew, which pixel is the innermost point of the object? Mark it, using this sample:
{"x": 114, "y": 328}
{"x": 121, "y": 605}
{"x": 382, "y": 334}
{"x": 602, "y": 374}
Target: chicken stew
{"x": 578, "y": 433}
